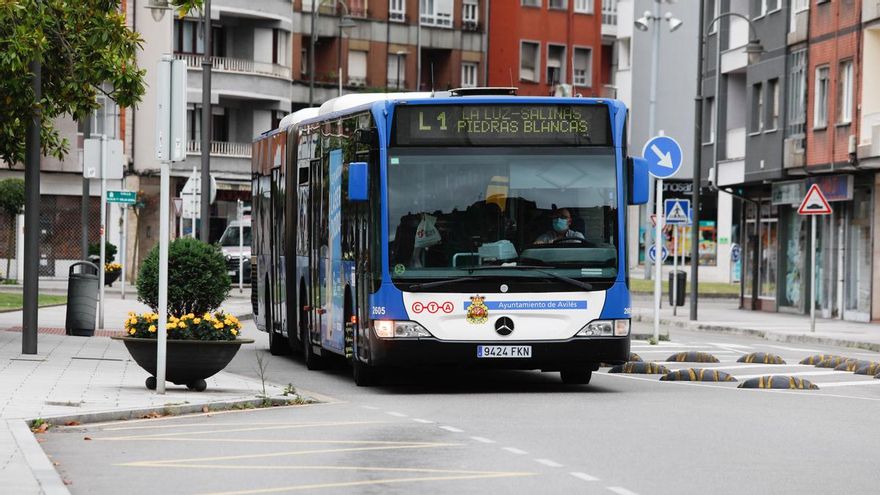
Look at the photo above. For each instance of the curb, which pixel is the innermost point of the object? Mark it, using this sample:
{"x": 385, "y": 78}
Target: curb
{"x": 41, "y": 467}
{"x": 168, "y": 410}
{"x": 13, "y": 310}
{"x": 762, "y": 334}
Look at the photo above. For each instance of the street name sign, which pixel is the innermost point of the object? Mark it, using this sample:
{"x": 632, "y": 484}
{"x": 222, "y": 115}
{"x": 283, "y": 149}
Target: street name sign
{"x": 663, "y": 155}
{"x": 677, "y": 211}
{"x": 123, "y": 197}
{"x": 814, "y": 203}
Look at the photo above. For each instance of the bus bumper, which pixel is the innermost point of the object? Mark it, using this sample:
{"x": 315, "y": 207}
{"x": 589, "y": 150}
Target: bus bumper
{"x": 545, "y": 355}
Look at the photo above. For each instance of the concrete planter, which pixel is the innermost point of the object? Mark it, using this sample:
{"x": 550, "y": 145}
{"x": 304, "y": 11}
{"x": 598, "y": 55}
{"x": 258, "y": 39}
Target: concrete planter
{"x": 188, "y": 362}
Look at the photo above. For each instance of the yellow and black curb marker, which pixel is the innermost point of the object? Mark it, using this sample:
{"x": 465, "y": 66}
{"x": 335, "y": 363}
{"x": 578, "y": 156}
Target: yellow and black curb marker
{"x": 692, "y": 357}
{"x": 818, "y": 358}
{"x": 761, "y": 357}
{"x": 697, "y": 375}
{"x": 834, "y": 362}
{"x": 641, "y": 368}
{"x": 871, "y": 368}
{"x": 851, "y": 365}
{"x": 635, "y": 358}
{"x": 778, "y": 382}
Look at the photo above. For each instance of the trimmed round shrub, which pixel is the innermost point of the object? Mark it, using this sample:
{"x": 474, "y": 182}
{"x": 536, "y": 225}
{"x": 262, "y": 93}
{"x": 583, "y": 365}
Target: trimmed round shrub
{"x": 198, "y": 281}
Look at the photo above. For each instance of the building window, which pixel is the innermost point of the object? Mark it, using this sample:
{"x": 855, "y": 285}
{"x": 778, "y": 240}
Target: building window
{"x": 529, "y": 61}
{"x": 104, "y": 119}
{"x": 396, "y": 71}
{"x": 845, "y": 92}
{"x": 820, "y": 101}
{"x": 585, "y": 6}
{"x": 797, "y": 6}
{"x": 709, "y": 120}
{"x": 470, "y": 13}
{"x": 771, "y": 122}
{"x": 558, "y": 4}
{"x": 796, "y": 103}
{"x": 397, "y": 10}
{"x": 716, "y": 10}
{"x": 771, "y": 6}
{"x": 556, "y": 64}
{"x": 304, "y": 59}
{"x": 530, "y": 3}
{"x": 468, "y": 75}
{"x": 357, "y": 68}
{"x": 583, "y": 67}
{"x": 436, "y": 13}
{"x": 279, "y": 47}
{"x": 757, "y": 122}
{"x": 187, "y": 37}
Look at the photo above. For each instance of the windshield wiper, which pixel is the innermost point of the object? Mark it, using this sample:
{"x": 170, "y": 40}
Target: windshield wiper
{"x": 438, "y": 283}
{"x": 540, "y": 269}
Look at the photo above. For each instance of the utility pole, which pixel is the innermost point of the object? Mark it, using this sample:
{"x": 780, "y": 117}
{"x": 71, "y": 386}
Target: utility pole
{"x": 205, "y": 230}
{"x": 32, "y": 214}
{"x": 84, "y": 214}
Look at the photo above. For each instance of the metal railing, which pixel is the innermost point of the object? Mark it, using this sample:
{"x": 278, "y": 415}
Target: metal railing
{"x": 228, "y": 64}
{"x": 220, "y": 148}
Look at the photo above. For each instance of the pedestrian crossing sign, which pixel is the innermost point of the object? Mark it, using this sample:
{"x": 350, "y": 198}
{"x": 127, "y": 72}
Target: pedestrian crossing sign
{"x": 677, "y": 211}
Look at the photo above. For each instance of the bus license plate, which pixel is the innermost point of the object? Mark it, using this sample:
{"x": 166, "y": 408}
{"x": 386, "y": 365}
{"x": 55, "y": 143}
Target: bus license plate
{"x": 504, "y": 351}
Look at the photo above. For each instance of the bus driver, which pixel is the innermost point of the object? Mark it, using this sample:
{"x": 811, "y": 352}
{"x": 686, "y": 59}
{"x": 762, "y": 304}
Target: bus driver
{"x": 561, "y": 229}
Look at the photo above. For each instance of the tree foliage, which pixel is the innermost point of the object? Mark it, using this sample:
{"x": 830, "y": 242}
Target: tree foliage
{"x": 81, "y": 44}
{"x": 12, "y": 197}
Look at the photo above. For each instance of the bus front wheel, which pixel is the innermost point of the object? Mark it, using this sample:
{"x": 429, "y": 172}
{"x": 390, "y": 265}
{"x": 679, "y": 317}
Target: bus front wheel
{"x": 576, "y": 376}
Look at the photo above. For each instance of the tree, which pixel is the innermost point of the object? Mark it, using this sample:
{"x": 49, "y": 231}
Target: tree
{"x": 12, "y": 204}
{"x": 84, "y": 46}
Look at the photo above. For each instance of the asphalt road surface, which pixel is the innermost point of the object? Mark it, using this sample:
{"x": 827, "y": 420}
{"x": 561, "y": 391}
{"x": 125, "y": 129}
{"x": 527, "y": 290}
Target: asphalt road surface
{"x": 507, "y": 432}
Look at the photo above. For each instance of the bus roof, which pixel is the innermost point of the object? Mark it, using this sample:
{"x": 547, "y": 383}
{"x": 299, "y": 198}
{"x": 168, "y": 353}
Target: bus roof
{"x": 354, "y": 100}
{"x": 298, "y": 116}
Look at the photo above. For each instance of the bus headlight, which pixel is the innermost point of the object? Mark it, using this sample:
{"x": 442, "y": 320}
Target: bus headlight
{"x": 389, "y": 329}
{"x": 605, "y": 328}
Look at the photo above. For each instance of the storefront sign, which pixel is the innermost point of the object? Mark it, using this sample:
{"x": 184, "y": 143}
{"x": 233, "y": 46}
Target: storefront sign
{"x": 834, "y": 187}
{"x": 788, "y": 193}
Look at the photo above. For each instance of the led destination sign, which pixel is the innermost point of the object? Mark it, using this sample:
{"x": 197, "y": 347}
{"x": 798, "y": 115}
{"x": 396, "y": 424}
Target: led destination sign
{"x": 502, "y": 125}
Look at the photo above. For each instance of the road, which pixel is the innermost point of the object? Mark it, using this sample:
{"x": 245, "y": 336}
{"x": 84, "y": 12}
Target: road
{"x": 507, "y": 432}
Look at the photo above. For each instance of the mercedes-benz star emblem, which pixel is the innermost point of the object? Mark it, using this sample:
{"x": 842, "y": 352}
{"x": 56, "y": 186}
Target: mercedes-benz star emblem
{"x": 504, "y": 326}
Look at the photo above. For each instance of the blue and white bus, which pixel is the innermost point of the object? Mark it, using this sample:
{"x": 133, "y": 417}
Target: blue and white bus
{"x": 447, "y": 229}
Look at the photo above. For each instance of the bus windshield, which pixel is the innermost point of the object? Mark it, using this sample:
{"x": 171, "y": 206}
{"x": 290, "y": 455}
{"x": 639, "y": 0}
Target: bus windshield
{"x": 480, "y": 211}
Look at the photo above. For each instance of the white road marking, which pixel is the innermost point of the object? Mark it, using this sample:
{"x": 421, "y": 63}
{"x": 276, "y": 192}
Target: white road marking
{"x": 847, "y": 383}
{"x": 514, "y": 450}
{"x": 619, "y": 490}
{"x": 451, "y": 428}
{"x": 548, "y": 462}
{"x": 483, "y": 440}
{"x": 424, "y": 421}
{"x": 372, "y": 408}
{"x": 795, "y": 349}
{"x": 735, "y": 346}
{"x": 584, "y": 476}
{"x": 396, "y": 414}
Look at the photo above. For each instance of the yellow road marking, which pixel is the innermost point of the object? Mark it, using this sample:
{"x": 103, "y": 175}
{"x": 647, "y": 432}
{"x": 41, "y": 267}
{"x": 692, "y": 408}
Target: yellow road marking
{"x": 282, "y": 454}
{"x": 212, "y": 425}
{"x": 256, "y": 428}
{"x": 367, "y": 482}
{"x": 341, "y": 468}
{"x": 273, "y": 440}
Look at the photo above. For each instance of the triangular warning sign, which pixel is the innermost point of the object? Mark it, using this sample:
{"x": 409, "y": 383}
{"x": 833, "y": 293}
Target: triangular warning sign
{"x": 677, "y": 214}
{"x": 814, "y": 203}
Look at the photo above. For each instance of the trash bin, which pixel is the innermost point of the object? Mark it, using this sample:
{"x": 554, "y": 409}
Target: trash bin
{"x": 82, "y": 299}
{"x": 678, "y": 299}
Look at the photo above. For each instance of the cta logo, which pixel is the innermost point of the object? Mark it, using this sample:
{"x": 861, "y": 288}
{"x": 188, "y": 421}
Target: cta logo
{"x": 433, "y": 307}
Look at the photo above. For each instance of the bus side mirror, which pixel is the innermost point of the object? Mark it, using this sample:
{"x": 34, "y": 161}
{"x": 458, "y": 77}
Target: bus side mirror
{"x": 638, "y": 181}
{"x": 358, "y": 181}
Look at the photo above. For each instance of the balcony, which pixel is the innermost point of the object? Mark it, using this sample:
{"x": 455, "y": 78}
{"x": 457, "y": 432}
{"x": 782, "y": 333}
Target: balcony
{"x": 438, "y": 19}
{"x": 220, "y": 148}
{"x": 228, "y": 64}
{"x": 609, "y": 18}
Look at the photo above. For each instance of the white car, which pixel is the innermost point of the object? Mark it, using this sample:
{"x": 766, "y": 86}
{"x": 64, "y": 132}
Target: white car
{"x": 229, "y": 244}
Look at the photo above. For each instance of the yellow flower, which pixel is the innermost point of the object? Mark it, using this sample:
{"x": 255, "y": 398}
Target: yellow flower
{"x": 218, "y": 326}
{"x": 190, "y": 316}
{"x": 131, "y": 332}
{"x": 197, "y": 320}
{"x": 152, "y": 328}
{"x": 181, "y": 325}
{"x": 169, "y": 326}
{"x": 234, "y": 331}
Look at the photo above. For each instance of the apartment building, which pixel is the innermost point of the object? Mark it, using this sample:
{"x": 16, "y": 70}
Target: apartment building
{"x": 547, "y": 47}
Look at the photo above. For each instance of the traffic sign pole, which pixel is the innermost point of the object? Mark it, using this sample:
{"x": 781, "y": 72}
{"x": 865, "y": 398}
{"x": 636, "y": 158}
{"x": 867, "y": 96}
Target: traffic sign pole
{"x": 813, "y": 275}
{"x": 658, "y": 264}
{"x": 103, "y": 239}
{"x": 675, "y": 270}
{"x": 124, "y": 245}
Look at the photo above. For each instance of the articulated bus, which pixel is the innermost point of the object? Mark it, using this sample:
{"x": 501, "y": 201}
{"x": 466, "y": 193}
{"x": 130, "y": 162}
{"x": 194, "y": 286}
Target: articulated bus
{"x": 446, "y": 229}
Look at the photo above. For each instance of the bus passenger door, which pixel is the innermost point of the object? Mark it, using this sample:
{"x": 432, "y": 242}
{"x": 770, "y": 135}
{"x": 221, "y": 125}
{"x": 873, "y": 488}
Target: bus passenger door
{"x": 317, "y": 229}
{"x": 278, "y": 255}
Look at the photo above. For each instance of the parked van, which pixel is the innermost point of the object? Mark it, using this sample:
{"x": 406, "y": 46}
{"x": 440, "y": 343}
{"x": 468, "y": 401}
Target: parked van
{"x": 229, "y": 244}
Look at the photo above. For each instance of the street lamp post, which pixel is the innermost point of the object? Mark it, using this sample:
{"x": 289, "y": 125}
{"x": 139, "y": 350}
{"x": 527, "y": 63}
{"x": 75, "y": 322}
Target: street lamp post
{"x": 651, "y": 19}
{"x": 205, "y": 207}
{"x": 344, "y": 22}
{"x": 754, "y": 50}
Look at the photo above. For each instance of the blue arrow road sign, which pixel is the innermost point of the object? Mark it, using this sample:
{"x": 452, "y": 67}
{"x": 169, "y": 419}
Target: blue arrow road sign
{"x": 677, "y": 211}
{"x": 663, "y": 155}
{"x": 652, "y": 253}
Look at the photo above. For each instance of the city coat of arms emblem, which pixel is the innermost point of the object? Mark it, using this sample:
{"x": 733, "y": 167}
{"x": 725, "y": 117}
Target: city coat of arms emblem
{"x": 477, "y": 312}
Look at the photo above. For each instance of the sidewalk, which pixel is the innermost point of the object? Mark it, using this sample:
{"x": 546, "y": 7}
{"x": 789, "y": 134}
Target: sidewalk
{"x": 723, "y": 316}
{"x": 91, "y": 376}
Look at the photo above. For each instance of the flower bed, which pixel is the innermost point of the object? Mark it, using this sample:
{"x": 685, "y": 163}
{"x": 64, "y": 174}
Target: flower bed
{"x": 209, "y": 326}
